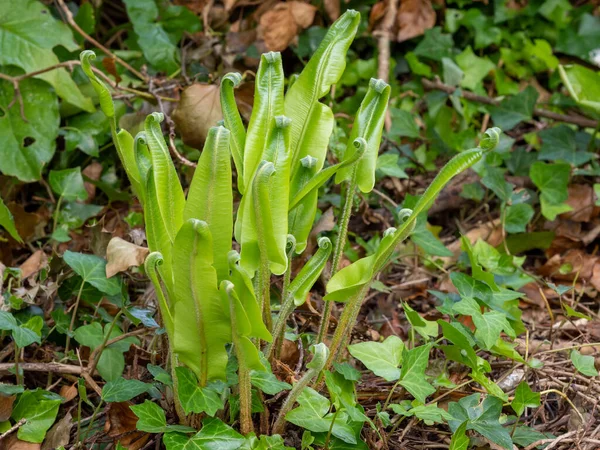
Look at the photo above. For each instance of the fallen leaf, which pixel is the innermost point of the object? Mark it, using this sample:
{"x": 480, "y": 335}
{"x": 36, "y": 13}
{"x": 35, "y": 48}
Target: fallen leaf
{"x": 12, "y": 442}
{"x": 30, "y": 225}
{"x": 120, "y": 425}
{"x": 93, "y": 172}
{"x": 199, "y": 109}
{"x": 60, "y": 433}
{"x": 6, "y": 406}
{"x": 581, "y": 200}
{"x": 121, "y": 255}
{"x": 68, "y": 392}
{"x": 33, "y": 264}
{"x": 111, "y": 67}
{"x": 377, "y": 13}
{"x": 414, "y": 18}
{"x": 281, "y": 24}
{"x": 332, "y": 8}
{"x": 573, "y": 264}
{"x": 304, "y": 13}
{"x": 196, "y": 6}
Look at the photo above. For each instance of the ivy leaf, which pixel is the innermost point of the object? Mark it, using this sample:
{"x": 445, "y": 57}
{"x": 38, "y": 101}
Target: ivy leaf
{"x": 194, "y": 398}
{"x": 23, "y": 335}
{"x": 412, "y": 377}
{"x": 583, "y": 85}
{"x": 7, "y": 222}
{"x": 517, "y": 217}
{"x": 311, "y": 412}
{"x": 489, "y": 326}
{"x": 121, "y": 390}
{"x": 474, "y": 67}
{"x": 92, "y": 269}
{"x": 429, "y": 414}
{"x": 381, "y": 358}
{"x": 151, "y": 417}
{"x": 482, "y": 417}
{"x": 584, "y": 363}
{"x": 68, "y": 183}
{"x": 214, "y": 435}
{"x": 435, "y": 45}
{"x": 160, "y": 374}
{"x": 28, "y": 33}
{"x": 524, "y": 398}
{"x": 552, "y": 181}
{"x": 515, "y": 109}
{"x": 267, "y": 382}
{"x": 26, "y": 146}
{"x": 460, "y": 440}
{"x": 39, "y": 408}
{"x": 403, "y": 124}
{"x": 563, "y": 143}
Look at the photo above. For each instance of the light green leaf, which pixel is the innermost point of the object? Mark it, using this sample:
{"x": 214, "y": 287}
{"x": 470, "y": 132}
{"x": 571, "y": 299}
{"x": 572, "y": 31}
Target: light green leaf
{"x": 39, "y": 408}
{"x": 68, "y": 183}
{"x": 194, "y": 398}
{"x": 23, "y": 45}
{"x": 584, "y": 363}
{"x": 310, "y": 272}
{"x": 489, "y": 326}
{"x": 233, "y": 122}
{"x": 583, "y": 85}
{"x": 517, "y": 217}
{"x": 552, "y": 181}
{"x": 210, "y": 197}
{"x": 121, "y": 390}
{"x": 26, "y": 146}
{"x": 412, "y": 376}
{"x": 214, "y": 435}
{"x": 524, "y": 398}
{"x": 382, "y": 358}
{"x": 475, "y": 69}
{"x": 311, "y": 412}
{"x": 92, "y": 269}
{"x": 429, "y": 414}
{"x": 460, "y": 440}
{"x": 312, "y": 121}
{"x": 151, "y": 417}
{"x": 267, "y": 382}
{"x": 7, "y": 222}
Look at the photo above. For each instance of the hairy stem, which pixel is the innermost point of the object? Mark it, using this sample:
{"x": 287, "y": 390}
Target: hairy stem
{"x": 339, "y": 250}
{"x": 279, "y": 426}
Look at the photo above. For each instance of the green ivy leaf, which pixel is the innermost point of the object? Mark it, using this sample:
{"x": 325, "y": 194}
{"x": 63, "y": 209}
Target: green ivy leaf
{"x": 460, "y": 440}
{"x": 121, "y": 390}
{"x": 27, "y": 146}
{"x": 482, "y": 417}
{"x": 489, "y": 326}
{"x": 412, "y": 377}
{"x": 267, "y": 382}
{"x": 584, "y": 363}
{"x": 25, "y": 334}
{"x": 435, "y": 45}
{"x": 92, "y": 269}
{"x": 39, "y": 408}
{"x": 429, "y": 414}
{"x": 517, "y": 217}
{"x": 68, "y": 184}
{"x": 151, "y": 417}
{"x": 10, "y": 389}
{"x": 381, "y": 358}
{"x": 564, "y": 144}
{"x": 524, "y": 398}
{"x": 28, "y": 33}
{"x": 552, "y": 181}
{"x": 160, "y": 374}
{"x": 214, "y": 435}
{"x": 475, "y": 69}
{"x": 403, "y": 125}
{"x": 514, "y": 109}
{"x": 194, "y": 398}
{"x": 583, "y": 85}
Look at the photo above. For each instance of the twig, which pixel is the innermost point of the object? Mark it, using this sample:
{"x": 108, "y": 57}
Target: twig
{"x": 384, "y": 36}
{"x": 5, "y": 368}
{"x": 12, "y": 429}
{"x": 95, "y": 356}
{"x": 438, "y": 85}
{"x": 553, "y": 442}
{"x": 71, "y": 21}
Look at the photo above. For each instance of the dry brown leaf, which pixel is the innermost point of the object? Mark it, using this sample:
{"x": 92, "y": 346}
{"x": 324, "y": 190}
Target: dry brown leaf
{"x": 59, "y": 434}
{"x": 111, "y": 67}
{"x": 121, "y": 255}
{"x": 6, "y": 406}
{"x": 574, "y": 263}
{"x": 12, "y": 442}
{"x": 377, "y": 12}
{"x": 414, "y": 18}
{"x": 199, "y": 109}
{"x": 30, "y": 225}
{"x": 33, "y": 264}
{"x": 93, "y": 172}
{"x": 68, "y": 392}
{"x": 332, "y": 8}
{"x": 120, "y": 424}
{"x": 278, "y": 28}
{"x": 581, "y": 200}
{"x": 304, "y": 13}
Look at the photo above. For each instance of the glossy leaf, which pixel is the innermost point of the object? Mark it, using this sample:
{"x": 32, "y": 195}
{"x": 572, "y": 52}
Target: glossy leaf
{"x": 201, "y": 327}
{"x": 524, "y": 398}
{"x": 39, "y": 409}
{"x": 92, "y": 269}
{"x": 213, "y": 435}
{"x": 194, "y": 398}
{"x": 153, "y": 260}
{"x": 121, "y": 390}
{"x": 210, "y": 197}
{"x": 233, "y": 122}
{"x": 382, "y": 358}
{"x": 368, "y": 125}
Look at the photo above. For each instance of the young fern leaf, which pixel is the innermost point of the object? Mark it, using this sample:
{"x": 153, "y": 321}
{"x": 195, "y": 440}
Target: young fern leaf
{"x": 312, "y": 121}
{"x": 123, "y": 140}
{"x": 202, "y": 329}
{"x": 210, "y": 197}
{"x": 142, "y": 157}
{"x": 266, "y": 205}
{"x": 153, "y": 260}
{"x": 233, "y": 122}
{"x": 169, "y": 193}
{"x": 245, "y": 292}
{"x": 367, "y": 125}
